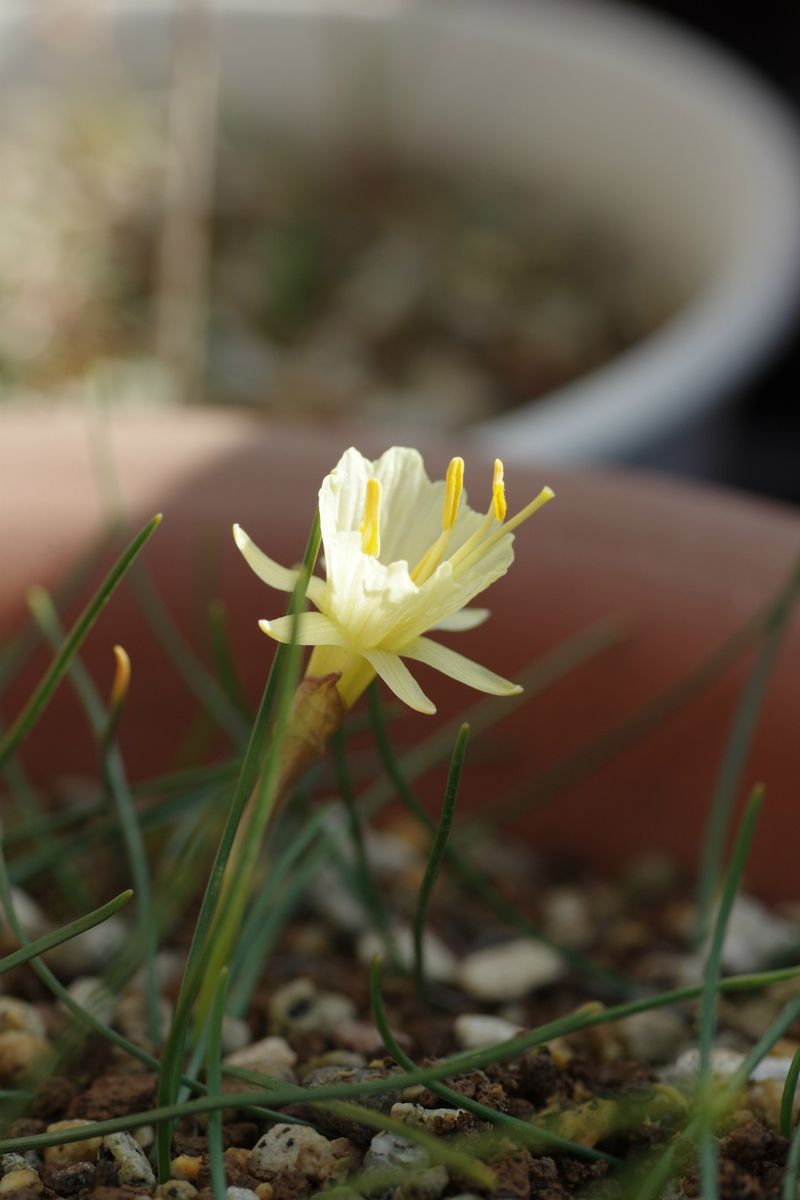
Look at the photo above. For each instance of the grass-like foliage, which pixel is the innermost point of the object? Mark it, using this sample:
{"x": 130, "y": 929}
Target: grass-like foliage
{"x": 230, "y": 850}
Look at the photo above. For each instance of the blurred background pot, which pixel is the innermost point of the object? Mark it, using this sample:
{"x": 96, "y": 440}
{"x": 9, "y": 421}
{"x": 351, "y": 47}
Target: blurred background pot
{"x": 680, "y": 567}
{"x": 669, "y": 139}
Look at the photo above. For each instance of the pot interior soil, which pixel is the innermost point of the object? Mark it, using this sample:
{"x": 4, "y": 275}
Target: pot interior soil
{"x": 360, "y": 289}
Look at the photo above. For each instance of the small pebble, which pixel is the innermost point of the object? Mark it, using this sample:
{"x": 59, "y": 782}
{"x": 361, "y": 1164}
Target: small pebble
{"x": 686, "y": 1068}
{"x": 72, "y": 1179}
{"x": 240, "y": 1193}
{"x": 186, "y": 1166}
{"x": 236, "y": 1034}
{"x": 650, "y": 875}
{"x": 145, "y": 1135}
{"x": 131, "y": 1016}
{"x": 381, "y": 1101}
{"x": 331, "y": 897}
{"x": 567, "y": 917}
{"x": 474, "y": 1030}
{"x": 388, "y": 1151}
{"x": 755, "y": 935}
{"x": 18, "y": 1014}
{"x": 17, "y": 1181}
{"x": 436, "y": 1120}
{"x": 175, "y": 1189}
{"x": 169, "y": 968}
{"x": 271, "y": 1056}
{"x": 133, "y": 1168}
{"x": 772, "y": 1067}
{"x": 288, "y": 1146}
{"x": 300, "y": 1007}
{"x": 424, "y": 1185}
{"x": 33, "y": 922}
{"x": 361, "y": 1038}
{"x": 85, "y": 1150}
{"x": 12, "y": 1162}
{"x": 89, "y": 952}
{"x": 439, "y": 962}
{"x": 90, "y": 992}
{"x": 19, "y": 1051}
{"x": 331, "y": 1058}
{"x": 654, "y": 1036}
{"x": 509, "y": 970}
{"x": 330, "y": 1010}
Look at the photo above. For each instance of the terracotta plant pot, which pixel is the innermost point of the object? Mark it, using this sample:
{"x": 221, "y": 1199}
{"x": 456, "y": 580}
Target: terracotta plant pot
{"x": 682, "y": 567}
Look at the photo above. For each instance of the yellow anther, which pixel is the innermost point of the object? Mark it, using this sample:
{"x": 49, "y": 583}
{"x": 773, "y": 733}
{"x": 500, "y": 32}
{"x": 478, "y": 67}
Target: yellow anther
{"x": 499, "y": 491}
{"x": 370, "y": 527}
{"x": 454, "y": 484}
{"x": 122, "y": 678}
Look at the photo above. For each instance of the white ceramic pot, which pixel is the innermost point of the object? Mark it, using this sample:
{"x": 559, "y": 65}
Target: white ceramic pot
{"x": 676, "y": 142}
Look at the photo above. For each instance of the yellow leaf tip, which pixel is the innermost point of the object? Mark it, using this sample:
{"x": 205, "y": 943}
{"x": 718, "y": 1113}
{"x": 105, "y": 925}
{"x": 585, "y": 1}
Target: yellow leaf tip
{"x": 122, "y": 678}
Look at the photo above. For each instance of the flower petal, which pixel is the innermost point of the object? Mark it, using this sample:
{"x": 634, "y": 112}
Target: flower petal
{"x": 313, "y": 629}
{"x": 396, "y": 675}
{"x": 460, "y": 622}
{"x": 272, "y": 573}
{"x": 443, "y": 659}
{"x": 445, "y": 594}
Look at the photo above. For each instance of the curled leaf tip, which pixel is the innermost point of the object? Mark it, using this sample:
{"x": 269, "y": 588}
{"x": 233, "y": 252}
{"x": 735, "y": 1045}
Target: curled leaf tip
{"x": 36, "y": 596}
{"x": 122, "y": 677}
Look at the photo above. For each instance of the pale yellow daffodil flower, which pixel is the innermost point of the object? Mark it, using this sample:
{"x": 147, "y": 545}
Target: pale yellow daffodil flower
{"x": 403, "y": 556}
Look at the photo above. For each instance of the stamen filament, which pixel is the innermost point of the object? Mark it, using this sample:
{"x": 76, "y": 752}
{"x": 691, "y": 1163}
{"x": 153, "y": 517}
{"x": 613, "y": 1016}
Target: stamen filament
{"x": 430, "y": 559}
{"x": 474, "y": 539}
{"x": 370, "y": 527}
{"x": 545, "y": 495}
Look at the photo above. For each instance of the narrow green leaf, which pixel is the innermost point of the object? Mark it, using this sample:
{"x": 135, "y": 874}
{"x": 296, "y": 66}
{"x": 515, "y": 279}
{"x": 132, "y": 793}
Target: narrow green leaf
{"x": 738, "y": 746}
{"x": 787, "y": 1098}
{"x": 790, "y": 1179}
{"x": 41, "y": 696}
{"x": 437, "y": 853}
{"x": 116, "y": 783}
{"x": 224, "y": 663}
{"x": 708, "y": 1006}
{"x": 214, "y": 1079}
{"x": 203, "y": 685}
{"x": 66, "y": 933}
{"x": 14, "y": 656}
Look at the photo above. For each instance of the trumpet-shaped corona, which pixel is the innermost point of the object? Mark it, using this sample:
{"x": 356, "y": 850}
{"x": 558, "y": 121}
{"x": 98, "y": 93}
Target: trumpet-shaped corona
{"x": 403, "y": 556}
